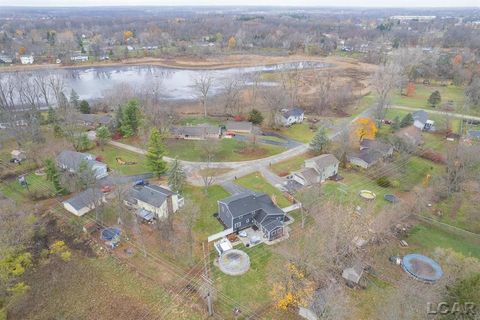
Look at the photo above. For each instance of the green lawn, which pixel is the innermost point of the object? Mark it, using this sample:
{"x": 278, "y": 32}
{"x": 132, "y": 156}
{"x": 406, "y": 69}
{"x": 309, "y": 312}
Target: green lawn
{"x": 256, "y": 182}
{"x": 423, "y": 92}
{"x": 37, "y": 186}
{"x": 406, "y": 176}
{"x": 460, "y": 210}
{"x": 287, "y": 166}
{"x": 109, "y": 154}
{"x": 194, "y": 120}
{"x": 428, "y": 237}
{"x": 228, "y": 150}
{"x": 299, "y": 132}
{"x": 207, "y": 202}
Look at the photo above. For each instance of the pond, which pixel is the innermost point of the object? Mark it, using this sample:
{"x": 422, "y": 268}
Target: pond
{"x": 166, "y": 83}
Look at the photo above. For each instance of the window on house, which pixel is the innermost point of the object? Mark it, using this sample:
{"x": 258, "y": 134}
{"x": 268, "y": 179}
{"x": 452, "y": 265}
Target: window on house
{"x": 237, "y": 225}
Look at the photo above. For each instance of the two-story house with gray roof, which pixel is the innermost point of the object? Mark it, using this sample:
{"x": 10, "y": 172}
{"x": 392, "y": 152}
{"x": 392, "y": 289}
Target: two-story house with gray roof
{"x": 287, "y": 117}
{"x": 250, "y": 209}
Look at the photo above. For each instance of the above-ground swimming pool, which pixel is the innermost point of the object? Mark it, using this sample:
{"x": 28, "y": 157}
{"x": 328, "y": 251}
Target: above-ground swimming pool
{"x": 367, "y": 194}
{"x": 234, "y": 262}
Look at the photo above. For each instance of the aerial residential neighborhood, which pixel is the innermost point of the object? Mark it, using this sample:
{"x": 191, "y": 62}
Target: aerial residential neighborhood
{"x": 239, "y": 161}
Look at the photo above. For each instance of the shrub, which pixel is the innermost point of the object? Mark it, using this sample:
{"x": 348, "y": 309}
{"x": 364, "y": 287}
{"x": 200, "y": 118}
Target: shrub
{"x": 384, "y": 182}
{"x": 432, "y": 156}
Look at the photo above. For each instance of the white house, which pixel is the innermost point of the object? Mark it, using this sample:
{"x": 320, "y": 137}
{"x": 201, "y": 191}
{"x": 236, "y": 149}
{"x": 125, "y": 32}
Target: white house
{"x": 27, "y": 59}
{"x": 84, "y": 202}
{"x": 421, "y": 121}
{"x": 72, "y": 161}
{"x": 288, "y": 117}
{"x": 155, "y": 199}
{"x": 79, "y": 58}
{"x": 317, "y": 169}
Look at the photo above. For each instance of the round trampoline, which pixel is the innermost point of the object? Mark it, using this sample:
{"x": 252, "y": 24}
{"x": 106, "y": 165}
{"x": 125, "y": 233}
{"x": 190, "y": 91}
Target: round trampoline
{"x": 234, "y": 262}
{"x": 108, "y": 234}
{"x": 390, "y": 198}
{"x": 422, "y": 267}
{"x": 367, "y": 194}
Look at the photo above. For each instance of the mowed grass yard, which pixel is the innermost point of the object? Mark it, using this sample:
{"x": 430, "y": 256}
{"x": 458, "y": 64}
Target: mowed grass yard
{"x": 285, "y": 167}
{"x": 403, "y": 175}
{"x": 37, "y": 186}
{"x": 426, "y": 237}
{"x": 422, "y": 93}
{"x": 228, "y": 150}
{"x": 109, "y": 155}
{"x": 300, "y": 132}
{"x": 256, "y": 182}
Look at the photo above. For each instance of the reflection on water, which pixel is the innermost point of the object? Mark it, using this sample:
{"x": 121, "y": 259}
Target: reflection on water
{"x": 174, "y": 84}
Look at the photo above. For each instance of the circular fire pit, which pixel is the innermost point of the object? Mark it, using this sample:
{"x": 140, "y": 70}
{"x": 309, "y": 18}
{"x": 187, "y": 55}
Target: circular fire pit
{"x": 234, "y": 262}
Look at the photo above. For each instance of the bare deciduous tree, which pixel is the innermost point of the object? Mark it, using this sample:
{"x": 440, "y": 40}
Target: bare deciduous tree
{"x": 202, "y": 85}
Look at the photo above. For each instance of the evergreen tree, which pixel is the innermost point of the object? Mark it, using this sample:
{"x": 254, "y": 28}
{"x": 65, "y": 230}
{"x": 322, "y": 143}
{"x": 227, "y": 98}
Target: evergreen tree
{"x": 83, "y": 143}
{"x": 155, "y": 152}
{"x": 53, "y": 176}
{"x": 396, "y": 123}
{"x": 84, "y": 106}
{"x": 51, "y": 116}
{"x": 255, "y": 117}
{"x": 103, "y": 135}
{"x": 320, "y": 141}
{"x": 406, "y": 121}
{"x": 435, "y": 98}
{"x": 130, "y": 119}
{"x": 57, "y": 131}
{"x": 176, "y": 176}
{"x": 74, "y": 99}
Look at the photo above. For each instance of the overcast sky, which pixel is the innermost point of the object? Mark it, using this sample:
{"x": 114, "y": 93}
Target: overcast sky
{"x": 319, "y": 3}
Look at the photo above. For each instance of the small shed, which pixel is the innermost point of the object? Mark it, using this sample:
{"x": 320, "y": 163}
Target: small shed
{"x": 223, "y": 245}
{"x": 353, "y": 274}
{"x": 18, "y": 155}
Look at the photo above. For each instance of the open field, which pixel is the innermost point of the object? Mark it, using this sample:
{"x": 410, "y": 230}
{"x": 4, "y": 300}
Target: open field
{"x": 228, "y": 150}
{"x": 452, "y": 93}
{"x": 111, "y": 292}
{"x": 427, "y": 237}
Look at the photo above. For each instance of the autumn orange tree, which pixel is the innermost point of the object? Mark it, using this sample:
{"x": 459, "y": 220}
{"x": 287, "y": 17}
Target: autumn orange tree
{"x": 293, "y": 289}
{"x": 410, "y": 89}
{"x": 365, "y": 128}
{"x": 232, "y": 43}
{"x": 127, "y": 35}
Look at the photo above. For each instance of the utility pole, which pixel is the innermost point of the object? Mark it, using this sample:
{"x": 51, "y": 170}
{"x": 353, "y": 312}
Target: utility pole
{"x": 208, "y": 281}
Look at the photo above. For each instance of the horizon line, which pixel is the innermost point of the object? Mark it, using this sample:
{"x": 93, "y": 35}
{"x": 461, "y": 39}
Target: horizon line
{"x": 235, "y": 5}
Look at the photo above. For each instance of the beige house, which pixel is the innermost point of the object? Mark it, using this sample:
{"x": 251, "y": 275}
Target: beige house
{"x": 316, "y": 170}
{"x": 84, "y": 202}
{"x": 197, "y": 132}
{"x": 155, "y": 199}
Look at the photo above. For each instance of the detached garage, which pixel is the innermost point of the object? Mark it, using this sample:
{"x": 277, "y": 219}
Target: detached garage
{"x": 84, "y": 202}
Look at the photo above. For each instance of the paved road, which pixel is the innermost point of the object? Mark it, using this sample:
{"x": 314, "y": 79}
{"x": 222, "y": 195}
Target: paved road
{"x": 233, "y": 188}
{"x": 242, "y": 168}
{"x": 451, "y": 114}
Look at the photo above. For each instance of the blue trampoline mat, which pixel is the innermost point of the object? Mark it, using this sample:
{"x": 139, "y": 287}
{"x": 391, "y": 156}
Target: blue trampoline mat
{"x": 109, "y": 234}
{"x": 422, "y": 267}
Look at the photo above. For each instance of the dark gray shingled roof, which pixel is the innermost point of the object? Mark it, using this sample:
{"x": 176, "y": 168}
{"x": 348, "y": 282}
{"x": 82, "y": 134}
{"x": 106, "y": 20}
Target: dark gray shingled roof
{"x": 86, "y": 198}
{"x": 151, "y": 194}
{"x": 243, "y": 203}
{"x": 271, "y": 224}
{"x": 293, "y": 112}
{"x": 420, "y": 115}
{"x": 195, "y": 131}
{"x": 73, "y": 159}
